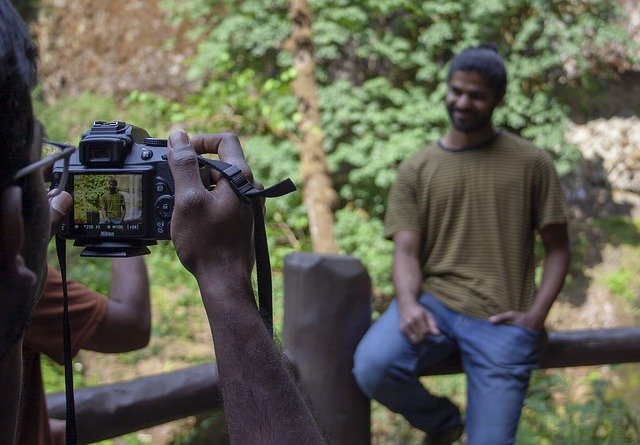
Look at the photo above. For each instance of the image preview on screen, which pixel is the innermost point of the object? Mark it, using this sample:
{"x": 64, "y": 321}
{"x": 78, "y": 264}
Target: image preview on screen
{"x": 107, "y": 204}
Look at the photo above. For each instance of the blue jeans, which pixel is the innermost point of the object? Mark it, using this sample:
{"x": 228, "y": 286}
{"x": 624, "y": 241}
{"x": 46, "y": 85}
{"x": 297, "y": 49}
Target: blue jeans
{"x": 497, "y": 359}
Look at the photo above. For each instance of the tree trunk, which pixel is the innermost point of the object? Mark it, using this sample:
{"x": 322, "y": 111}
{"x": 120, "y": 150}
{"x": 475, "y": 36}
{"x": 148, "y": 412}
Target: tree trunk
{"x": 318, "y": 194}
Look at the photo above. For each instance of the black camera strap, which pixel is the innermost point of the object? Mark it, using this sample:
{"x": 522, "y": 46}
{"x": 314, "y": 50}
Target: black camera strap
{"x": 246, "y": 192}
{"x": 71, "y": 429}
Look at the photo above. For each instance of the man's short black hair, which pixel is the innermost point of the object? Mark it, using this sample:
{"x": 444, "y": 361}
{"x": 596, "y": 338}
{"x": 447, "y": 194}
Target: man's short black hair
{"x": 17, "y": 78}
{"x": 484, "y": 60}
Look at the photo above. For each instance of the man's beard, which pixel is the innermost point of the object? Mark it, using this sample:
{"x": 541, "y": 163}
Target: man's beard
{"x": 476, "y": 122}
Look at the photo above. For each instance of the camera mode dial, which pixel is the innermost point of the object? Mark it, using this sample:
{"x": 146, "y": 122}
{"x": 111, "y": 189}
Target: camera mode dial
{"x": 155, "y": 142}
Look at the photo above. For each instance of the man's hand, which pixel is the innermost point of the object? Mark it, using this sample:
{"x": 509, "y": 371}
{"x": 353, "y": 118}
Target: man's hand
{"x": 524, "y": 319}
{"x": 555, "y": 242}
{"x": 416, "y": 322}
{"x": 209, "y": 229}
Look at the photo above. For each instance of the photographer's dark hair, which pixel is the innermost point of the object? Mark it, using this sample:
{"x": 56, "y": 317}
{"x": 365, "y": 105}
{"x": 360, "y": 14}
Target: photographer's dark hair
{"x": 17, "y": 78}
{"x": 484, "y": 60}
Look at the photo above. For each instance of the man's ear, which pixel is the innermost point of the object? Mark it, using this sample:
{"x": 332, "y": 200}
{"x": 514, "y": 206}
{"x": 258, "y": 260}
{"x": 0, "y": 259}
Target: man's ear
{"x": 11, "y": 232}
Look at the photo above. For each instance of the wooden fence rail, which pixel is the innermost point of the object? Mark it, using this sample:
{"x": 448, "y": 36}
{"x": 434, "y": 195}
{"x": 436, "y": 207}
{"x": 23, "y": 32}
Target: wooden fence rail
{"x": 107, "y": 411}
{"x": 327, "y": 310}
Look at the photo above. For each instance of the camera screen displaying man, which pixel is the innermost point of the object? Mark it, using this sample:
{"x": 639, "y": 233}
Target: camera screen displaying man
{"x": 112, "y": 205}
{"x": 118, "y": 208}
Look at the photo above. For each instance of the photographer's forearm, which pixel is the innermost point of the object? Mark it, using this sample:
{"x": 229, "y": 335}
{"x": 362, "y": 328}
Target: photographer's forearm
{"x": 262, "y": 401}
{"x": 127, "y": 324}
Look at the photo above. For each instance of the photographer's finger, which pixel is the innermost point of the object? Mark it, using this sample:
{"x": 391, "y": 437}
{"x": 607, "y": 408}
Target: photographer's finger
{"x": 228, "y": 148}
{"x": 258, "y": 185}
{"x": 59, "y": 206}
{"x": 183, "y": 162}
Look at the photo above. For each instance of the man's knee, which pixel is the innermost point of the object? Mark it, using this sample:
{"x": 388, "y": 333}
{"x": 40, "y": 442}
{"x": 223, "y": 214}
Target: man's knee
{"x": 367, "y": 371}
{"x": 375, "y": 370}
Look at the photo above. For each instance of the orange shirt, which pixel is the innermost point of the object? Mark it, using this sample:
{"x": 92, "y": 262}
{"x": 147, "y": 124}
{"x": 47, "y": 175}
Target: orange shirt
{"x": 87, "y": 309}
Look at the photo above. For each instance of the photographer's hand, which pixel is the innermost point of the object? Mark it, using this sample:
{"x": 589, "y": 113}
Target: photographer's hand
{"x": 209, "y": 228}
{"x": 212, "y": 232}
{"x": 59, "y": 206}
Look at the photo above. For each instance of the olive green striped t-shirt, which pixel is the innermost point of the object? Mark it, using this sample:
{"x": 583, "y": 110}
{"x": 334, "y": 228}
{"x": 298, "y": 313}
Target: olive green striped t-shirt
{"x": 477, "y": 210}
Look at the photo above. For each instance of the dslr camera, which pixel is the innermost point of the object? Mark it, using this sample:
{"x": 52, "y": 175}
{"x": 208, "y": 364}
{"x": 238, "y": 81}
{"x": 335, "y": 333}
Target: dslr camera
{"x": 122, "y": 191}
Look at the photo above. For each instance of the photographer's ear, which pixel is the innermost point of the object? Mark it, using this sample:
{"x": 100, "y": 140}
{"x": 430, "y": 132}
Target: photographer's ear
{"x": 12, "y": 236}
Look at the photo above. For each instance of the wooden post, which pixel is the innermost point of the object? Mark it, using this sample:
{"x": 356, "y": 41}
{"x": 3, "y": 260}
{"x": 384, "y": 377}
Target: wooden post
{"x": 327, "y": 310}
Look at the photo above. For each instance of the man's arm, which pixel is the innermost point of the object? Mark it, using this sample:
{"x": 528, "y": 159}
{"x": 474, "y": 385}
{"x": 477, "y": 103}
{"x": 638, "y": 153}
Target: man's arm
{"x": 415, "y": 321}
{"x": 123, "y": 209}
{"x": 212, "y": 233}
{"x": 557, "y": 256}
{"x": 127, "y": 323}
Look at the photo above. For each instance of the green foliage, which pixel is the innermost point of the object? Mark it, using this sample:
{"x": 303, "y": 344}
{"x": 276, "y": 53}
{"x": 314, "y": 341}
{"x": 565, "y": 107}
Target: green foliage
{"x": 623, "y": 283}
{"x": 53, "y": 375}
{"x": 28, "y": 9}
{"x": 550, "y": 418}
{"x": 363, "y": 237}
{"x": 380, "y": 72}
{"x": 88, "y": 190}
{"x": 69, "y": 117}
{"x": 620, "y": 230}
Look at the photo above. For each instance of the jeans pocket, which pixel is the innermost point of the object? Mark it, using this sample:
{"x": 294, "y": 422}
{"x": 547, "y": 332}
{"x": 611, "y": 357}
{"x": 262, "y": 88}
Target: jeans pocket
{"x": 519, "y": 345}
{"x": 531, "y": 331}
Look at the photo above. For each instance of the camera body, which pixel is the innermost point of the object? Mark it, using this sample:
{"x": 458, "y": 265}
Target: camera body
{"x": 122, "y": 188}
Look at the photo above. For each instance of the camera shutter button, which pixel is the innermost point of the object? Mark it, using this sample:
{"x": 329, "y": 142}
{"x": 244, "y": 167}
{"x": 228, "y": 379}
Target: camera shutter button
{"x": 164, "y": 206}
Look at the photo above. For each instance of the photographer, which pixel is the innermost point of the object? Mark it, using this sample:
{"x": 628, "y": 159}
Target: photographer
{"x": 212, "y": 232}
{"x": 26, "y": 219}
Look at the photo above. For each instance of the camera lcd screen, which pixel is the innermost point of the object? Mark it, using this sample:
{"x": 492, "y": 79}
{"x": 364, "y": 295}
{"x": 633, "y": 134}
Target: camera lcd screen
{"x": 107, "y": 205}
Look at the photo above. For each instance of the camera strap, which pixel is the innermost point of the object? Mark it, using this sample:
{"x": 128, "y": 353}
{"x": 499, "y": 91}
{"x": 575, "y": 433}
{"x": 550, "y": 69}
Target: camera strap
{"x": 247, "y": 193}
{"x": 71, "y": 431}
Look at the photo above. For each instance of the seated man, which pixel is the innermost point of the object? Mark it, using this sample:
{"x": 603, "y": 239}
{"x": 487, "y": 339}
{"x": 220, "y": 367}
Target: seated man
{"x": 463, "y": 214}
{"x": 118, "y": 324}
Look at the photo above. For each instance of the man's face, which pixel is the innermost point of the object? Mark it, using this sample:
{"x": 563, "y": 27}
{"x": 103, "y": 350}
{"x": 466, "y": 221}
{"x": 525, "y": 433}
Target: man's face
{"x": 36, "y": 218}
{"x": 112, "y": 187}
{"x": 30, "y": 227}
{"x": 470, "y": 101}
